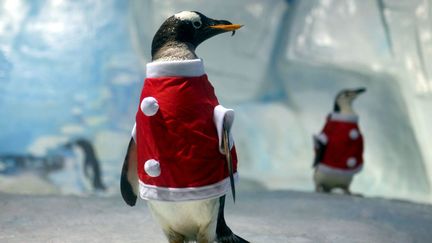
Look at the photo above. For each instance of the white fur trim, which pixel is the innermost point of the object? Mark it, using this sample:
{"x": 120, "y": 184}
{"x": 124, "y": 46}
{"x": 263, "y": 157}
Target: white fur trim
{"x": 223, "y": 116}
{"x": 330, "y": 170}
{"x": 133, "y": 133}
{"x": 351, "y": 162}
{"x": 354, "y": 134}
{"x": 152, "y": 168}
{"x": 344, "y": 117}
{"x": 150, "y": 192}
{"x": 149, "y": 106}
{"x": 183, "y": 68}
{"x": 322, "y": 138}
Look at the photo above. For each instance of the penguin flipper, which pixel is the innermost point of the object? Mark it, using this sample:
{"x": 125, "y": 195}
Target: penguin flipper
{"x": 129, "y": 175}
{"x": 229, "y": 160}
{"x": 320, "y": 148}
{"x": 223, "y": 232}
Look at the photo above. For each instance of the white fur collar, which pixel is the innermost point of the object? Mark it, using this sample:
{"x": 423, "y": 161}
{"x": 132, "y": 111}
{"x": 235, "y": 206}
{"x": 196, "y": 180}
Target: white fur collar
{"x": 343, "y": 117}
{"x": 183, "y": 68}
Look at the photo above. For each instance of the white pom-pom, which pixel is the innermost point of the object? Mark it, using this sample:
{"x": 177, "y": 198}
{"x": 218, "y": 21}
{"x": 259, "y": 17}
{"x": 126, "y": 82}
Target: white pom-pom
{"x": 149, "y": 106}
{"x": 354, "y": 134}
{"x": 351, "y": 162}
{"x": 152, "y": 168}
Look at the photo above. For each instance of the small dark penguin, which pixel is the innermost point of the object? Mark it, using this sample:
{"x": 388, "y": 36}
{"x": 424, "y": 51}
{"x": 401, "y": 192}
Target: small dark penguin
{"x": 181, "y": 157}
{"x": 339, "y": 146}
{"x": 92, "y": 170}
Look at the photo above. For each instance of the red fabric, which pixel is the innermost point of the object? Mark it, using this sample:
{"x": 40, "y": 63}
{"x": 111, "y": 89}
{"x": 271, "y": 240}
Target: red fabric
{"x": 181, "y": 135}
{"x": 340, "y": 146}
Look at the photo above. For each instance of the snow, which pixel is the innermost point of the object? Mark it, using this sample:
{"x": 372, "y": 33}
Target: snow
{"x": 75, "y": 68}
{"x": 280, "y": 216}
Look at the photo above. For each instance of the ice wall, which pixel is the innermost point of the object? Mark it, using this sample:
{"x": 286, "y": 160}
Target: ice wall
{"x": 360, "y": 43}
{"x": 67, "y": 69}
{"x": 75, "y": 68}
{"x": 283, "y": 69}
{"x": 381, "y": 45}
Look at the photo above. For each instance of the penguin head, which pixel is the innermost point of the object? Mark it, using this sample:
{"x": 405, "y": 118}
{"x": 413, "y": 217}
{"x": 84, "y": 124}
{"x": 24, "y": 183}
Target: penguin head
{"x": 345, "y": 98}
{"x": 191, "y": 28}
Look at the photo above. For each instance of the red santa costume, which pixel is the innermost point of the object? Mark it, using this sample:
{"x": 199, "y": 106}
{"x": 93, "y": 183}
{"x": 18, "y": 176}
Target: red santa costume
{"x": 178, "y": 132}
{"x": 344, "y": 145}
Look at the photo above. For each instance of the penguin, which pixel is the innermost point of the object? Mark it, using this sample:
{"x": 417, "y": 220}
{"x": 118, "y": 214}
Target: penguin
{"x": 80, "y": 172}
{"x": 339, "y": 146}
{"x": 176, "y": 157}
{"x": 91, "y": 164}
{"x": 73, "y": 167}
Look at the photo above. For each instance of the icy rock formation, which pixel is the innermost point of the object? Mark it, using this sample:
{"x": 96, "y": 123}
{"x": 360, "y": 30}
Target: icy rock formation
{"x": 282, "y": 71}
{"x": 81, "y": 65}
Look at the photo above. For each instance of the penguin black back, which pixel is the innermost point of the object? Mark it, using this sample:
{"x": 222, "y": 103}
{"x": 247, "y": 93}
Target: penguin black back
{"x": 336, "y": 107}
{"x": 92, "y": 168}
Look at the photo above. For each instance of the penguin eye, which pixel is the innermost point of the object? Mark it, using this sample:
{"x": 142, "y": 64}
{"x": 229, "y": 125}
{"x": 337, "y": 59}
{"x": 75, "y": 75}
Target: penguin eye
{"x": 197, "y": 24}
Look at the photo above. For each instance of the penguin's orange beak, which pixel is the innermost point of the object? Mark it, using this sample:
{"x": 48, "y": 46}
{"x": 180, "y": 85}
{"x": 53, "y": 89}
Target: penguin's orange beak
{"x": 227, "y": 27}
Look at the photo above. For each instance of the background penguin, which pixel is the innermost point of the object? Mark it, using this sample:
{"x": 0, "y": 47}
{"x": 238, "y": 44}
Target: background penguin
{"x": 72, "y": 168}
{"x": 339, "y": 147}
{"x": 91, "y": 163}
{"x": 80, "y": 172}
{"x": 173, "y": 159}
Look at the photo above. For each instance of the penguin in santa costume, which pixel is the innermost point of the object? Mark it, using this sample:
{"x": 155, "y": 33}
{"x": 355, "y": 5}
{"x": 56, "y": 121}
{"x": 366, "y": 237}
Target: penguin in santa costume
{"x": 181, "y": 141}
{"x": 339, "y": 146}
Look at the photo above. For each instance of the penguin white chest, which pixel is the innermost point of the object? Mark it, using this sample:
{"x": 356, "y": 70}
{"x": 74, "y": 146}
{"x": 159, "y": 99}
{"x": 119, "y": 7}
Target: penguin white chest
{"x": 190, "y": 219}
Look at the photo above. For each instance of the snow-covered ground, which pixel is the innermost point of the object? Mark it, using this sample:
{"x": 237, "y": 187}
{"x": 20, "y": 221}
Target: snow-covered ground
{"x": 279, "y": 216}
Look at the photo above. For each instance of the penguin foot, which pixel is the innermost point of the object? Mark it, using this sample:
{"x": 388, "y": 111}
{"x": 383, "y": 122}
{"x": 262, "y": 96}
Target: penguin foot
{"x": 322, "y": 189}
{"x": 174, "y": 237}
{"x": 223, "y": 232}
{"x": 346, "y": 191}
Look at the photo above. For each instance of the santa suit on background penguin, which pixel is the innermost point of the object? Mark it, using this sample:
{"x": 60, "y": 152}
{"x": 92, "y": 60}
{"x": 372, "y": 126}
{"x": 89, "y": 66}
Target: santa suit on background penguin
{"x": 176, "y": 158}
{"x": 339, "y": 147}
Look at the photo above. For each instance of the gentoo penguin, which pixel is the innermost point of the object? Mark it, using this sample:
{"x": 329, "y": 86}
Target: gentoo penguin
{"x": 72, "y": 167}
{"x": 176, "y": 156}
{"x": 80, "y": 171}
{"x": 91, "y": 163}
{"x": 339, "y": 146}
